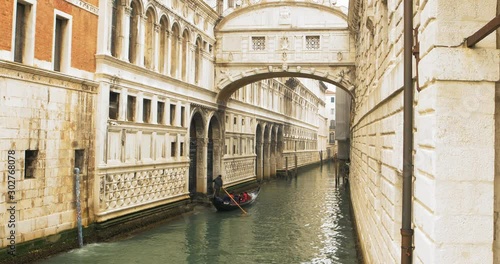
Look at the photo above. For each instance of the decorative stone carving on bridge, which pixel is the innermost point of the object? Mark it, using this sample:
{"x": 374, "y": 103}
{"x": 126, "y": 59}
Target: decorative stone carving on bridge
{"x": 284, "y": 43}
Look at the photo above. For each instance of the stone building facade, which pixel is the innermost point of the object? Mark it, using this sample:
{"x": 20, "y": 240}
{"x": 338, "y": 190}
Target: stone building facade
{"x": 330, "y": 113}
{"x": 343, "y": 124}
{"x": 47, "y": 99}
{"x": 455, "y": 150}
{"x": 126, "y": 91}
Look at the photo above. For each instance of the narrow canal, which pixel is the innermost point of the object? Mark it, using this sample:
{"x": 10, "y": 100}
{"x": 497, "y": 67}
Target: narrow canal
{"x": 300, "y": 220}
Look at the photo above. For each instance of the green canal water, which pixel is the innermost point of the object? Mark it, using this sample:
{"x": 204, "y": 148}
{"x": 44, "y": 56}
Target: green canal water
{"x": 305, "y": 219}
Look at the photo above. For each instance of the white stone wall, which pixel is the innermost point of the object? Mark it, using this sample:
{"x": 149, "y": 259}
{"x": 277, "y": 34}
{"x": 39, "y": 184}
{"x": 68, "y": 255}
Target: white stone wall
{"x": 453, "y": 135}
{"x": 50, "y": 113}
{"x": 454, "y": 139}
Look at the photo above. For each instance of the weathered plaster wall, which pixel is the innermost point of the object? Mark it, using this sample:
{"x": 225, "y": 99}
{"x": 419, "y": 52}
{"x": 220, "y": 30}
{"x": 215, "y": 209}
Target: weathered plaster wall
{"x": 53, "y": 116}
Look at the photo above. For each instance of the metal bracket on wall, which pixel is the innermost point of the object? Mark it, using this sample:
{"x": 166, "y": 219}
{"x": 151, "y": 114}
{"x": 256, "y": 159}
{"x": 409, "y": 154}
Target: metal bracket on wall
{"x": 483, "y": 32}
{"x": 416, "y": 54}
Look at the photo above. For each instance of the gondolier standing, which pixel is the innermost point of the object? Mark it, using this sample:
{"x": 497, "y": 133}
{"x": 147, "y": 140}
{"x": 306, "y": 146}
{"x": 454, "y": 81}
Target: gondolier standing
{"x": 217, "y": 185}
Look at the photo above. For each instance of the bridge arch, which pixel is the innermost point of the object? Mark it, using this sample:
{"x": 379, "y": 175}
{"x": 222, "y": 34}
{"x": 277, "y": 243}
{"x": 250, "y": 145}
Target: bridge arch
{"x": 341, "y": 78}
{"x": 272, "y": 39}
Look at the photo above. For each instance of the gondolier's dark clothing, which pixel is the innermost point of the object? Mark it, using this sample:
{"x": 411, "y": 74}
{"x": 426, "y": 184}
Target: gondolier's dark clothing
{"x": 217, "y": 185}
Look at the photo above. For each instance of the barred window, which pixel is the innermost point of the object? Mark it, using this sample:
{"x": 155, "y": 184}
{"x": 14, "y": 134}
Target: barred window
{"x": 312, "y": 42}
{"x": 259, "y": 43}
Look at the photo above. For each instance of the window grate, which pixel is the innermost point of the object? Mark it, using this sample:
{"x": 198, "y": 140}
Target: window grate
{"x": 259, "y": 43}
{"x": 312, "y": 42}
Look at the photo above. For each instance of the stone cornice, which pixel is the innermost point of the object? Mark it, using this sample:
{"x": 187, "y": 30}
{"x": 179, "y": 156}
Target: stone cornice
{"x": 276, "y": 3}
{"x": 203, "y": 107}
{"x": 199, "y": 7}
{"x": 26, "y": 73}
{"x": 261, "y": 30}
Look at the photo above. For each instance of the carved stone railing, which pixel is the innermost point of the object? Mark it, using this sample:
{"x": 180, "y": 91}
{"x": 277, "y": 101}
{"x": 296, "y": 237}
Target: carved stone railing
{"x": 239, "y": 169}
{"x": 303, "y": 158}
{"x": 122, "y": 190}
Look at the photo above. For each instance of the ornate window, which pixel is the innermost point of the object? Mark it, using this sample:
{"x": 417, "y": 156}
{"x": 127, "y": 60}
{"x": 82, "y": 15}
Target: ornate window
{"x": 163, "y": 45}
{"x": 185, "y": 51}
{"x": 197, "y": 60}
{"x": 149, "y": 39}
{"x": 115, "y": 23}
{"x": 312, "y": 42}
{"x": 259, "y": 43}
{"x": 133, "y": 31}
{"x": 174, "y": 51}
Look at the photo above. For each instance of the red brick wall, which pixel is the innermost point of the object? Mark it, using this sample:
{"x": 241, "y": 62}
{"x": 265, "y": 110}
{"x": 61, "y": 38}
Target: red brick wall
{"x": 84, "y": 40}
{"x": 6, "y": 24}
{"x": 84, "y": 31}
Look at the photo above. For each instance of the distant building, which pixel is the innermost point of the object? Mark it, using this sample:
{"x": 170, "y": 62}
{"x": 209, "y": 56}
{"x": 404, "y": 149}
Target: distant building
{"x": 330, "y": 100}
{"x": 342, "y": 117}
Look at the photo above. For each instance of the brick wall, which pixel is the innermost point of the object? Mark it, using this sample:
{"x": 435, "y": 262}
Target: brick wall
{"x": 83, "y": 38}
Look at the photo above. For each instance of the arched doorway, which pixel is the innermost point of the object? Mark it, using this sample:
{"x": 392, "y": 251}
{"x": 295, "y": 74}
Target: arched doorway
{"x": 266, "y": 152}
{"x": 214, "y": 152}
{"x": 279, "y": 147}
{"x": 273, "y": 151}
{"x": 259, "y": 172}
{"x": 195, "y": 138}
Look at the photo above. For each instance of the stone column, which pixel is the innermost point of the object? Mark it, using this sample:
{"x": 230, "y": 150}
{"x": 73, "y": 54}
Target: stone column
{"x": 217, "y": 154}
{"x": 139, "y": 107}
{"x": 101, "y": 124}
{"x": 267, "y": 162}
{"x": 122, "y": 105}
{"x": 104, "y": 29}
{"x": 168, "y": 46}
{"x": 260, "y": 165}
{"x": 273, "y": 158}
{"x": 201, "y": 166}
{"x": 177, "y": 118}
{"x": 140, "y": 39}
{"x": 154, "y": 109}
{"x": 182, "y": 61}
{"x": 167, "y": 112}
{"x": 156, "y": 48}
{"x": 190, "y": 78}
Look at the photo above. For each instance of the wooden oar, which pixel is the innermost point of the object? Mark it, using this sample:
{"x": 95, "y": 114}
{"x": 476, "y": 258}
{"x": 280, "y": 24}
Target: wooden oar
{"x": 233, "y": 200}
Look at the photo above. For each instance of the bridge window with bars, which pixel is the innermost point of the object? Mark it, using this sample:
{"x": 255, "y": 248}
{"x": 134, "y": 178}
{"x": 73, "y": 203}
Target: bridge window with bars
{"x": 312, "y": 42}
{"x": 258, "y": 43}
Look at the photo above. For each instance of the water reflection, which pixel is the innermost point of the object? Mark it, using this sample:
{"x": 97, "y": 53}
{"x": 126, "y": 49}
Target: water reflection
{"x": 302, "y": 220}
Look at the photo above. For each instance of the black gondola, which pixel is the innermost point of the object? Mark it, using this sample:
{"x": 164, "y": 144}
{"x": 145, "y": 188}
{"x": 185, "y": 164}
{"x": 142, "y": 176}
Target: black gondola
{"x": 226, "y": 204}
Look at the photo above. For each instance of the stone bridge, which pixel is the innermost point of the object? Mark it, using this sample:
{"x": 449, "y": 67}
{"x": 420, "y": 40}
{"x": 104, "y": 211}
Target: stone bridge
{"x": 262, "y": 40}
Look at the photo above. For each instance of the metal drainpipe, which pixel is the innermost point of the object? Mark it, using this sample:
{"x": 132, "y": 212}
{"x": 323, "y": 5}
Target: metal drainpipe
{"x": 78, "y": 207}
{"x": 406, "y": 230}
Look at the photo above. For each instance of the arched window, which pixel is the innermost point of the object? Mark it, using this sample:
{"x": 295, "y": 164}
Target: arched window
{"x": 149, "y": 39}
{"x": 197, "y": 60}
{"x": 163, "y": 44}
{"x": 174, "y": 51}
{"x": 185, "y": 52}
{"x": 115, "y": 28}
{"x": 133, "y": 32}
